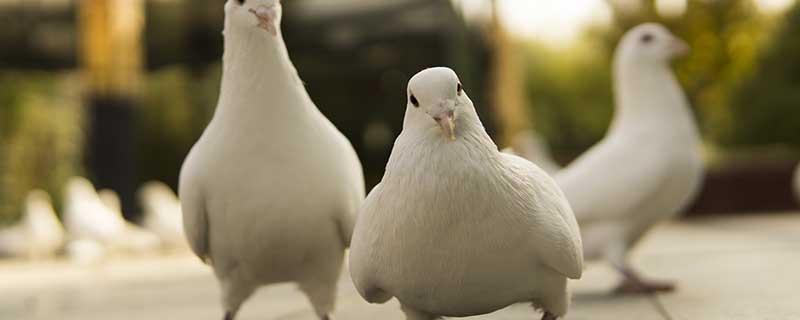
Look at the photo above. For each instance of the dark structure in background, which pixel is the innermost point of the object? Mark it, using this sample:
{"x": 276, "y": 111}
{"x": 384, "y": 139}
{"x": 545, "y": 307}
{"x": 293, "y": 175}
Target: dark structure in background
{"x": 355, "y": 57}
{"x": 111, "y": 59}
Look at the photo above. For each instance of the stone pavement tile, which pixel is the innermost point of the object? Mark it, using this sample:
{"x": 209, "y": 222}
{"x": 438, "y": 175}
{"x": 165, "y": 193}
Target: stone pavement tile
{"x": 731, "y": 268}
{"x": 728, "y": 268}
{"x": 747, "y": 285}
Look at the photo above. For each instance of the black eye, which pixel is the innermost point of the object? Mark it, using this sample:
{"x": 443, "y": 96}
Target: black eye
{"x": 460, "y": 89}
{"x": 414, "y": 100}
{"x": 647, "y": 38}
{"x": 241, "y": 2}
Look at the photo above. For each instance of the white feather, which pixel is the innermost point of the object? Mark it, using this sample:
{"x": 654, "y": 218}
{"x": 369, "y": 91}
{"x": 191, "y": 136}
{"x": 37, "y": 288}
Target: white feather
{"x": 648, "y": 167}
{"x": 456, "y": 228}
{"x": 271, "y": 189}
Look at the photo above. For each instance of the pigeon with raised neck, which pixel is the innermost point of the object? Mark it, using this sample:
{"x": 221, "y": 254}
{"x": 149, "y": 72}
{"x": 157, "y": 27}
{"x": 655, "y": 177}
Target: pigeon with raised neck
{"x": 457, "y": 228}
{"x": 270, "y": 191}
{"x": 648, "y": 168}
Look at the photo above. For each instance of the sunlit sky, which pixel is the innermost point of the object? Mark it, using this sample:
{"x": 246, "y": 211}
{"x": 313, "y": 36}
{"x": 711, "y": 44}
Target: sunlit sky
{"x": 559, "y": 22}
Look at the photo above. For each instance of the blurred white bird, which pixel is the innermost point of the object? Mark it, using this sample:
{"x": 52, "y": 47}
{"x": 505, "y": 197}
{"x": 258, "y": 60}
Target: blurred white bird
{"x": 38, "y": 235}
{"x": 456, "y": 228}
{"x": 133, "y": 238}
{"x": 648, "y": 167}
{"x": 271, "y": 189}
{"x": 530, "y": 145}
{"x": 88, "y": 218}
{"x": 162, "y": 213}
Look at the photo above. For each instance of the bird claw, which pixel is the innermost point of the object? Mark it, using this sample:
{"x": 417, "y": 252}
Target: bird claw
{"x": 638, "y": 286}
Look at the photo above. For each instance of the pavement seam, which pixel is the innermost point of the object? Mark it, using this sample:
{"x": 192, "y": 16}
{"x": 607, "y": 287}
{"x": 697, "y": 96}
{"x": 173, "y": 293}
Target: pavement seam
{"x": 656, "y": 301}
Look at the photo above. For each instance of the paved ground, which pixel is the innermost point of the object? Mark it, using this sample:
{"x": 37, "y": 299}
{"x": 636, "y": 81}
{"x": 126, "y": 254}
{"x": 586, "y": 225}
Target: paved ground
{"x": 728, "y": 268}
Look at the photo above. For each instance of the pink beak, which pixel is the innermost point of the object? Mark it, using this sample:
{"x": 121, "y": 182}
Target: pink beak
{"x": 266, "y": 15}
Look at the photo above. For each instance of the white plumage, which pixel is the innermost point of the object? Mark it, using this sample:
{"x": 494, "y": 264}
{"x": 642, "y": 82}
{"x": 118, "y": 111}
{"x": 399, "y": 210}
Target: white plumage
{"x": 648, "y": 167}
{"x": 38, "y": 235}
{"x": 456, "y": 228}
{"x": 271, "y": 189}
{"x": 162, "y": 213}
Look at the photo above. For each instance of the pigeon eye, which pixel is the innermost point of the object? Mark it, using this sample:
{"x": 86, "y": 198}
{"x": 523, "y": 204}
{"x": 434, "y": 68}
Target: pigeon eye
{"x": 647, "y": 38}
{"x": 241, "y": 2}
{"x": 460, "y": 89}
{"x": 414, "y": 100}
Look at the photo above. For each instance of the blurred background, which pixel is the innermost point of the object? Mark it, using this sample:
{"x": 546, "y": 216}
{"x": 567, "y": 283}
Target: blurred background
{"x": 119, "y": 90}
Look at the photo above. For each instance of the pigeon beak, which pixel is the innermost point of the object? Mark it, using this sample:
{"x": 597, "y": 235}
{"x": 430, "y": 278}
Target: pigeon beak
{"x": 679, "y": 48}
{"x": 266, "y": 15}
{"x": 447, "y": 123}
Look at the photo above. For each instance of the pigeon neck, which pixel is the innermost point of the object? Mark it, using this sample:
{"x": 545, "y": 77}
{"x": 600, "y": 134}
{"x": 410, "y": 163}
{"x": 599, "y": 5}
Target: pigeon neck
{"x": 422, "y": 144}
{"x": 648, "y": 95}
{"x": 257, "y": 72}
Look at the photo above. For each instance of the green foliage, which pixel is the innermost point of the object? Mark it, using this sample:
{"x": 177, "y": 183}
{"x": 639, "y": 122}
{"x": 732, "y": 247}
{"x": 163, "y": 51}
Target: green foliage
{"x": 570, "y": 95}
{"x": 766, "y": 108}
{"x": 41, "y": 137}
{"x": 739, "y": 99}
{"x": 176, "y": 106}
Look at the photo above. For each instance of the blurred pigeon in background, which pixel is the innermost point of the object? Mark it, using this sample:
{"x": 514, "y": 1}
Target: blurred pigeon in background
{"x": 456, "y": 228}
{"x": 649, "y": 167}
{"x": 162, "y": 213}
{"x": 271, "y": 189}
{"x": 38, "y": 235}
{"x": 133, "y": 238}
{"x": 89, "y": 217}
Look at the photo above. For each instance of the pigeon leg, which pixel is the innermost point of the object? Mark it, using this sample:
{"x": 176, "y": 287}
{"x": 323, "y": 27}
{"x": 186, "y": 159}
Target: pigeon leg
{"x": 549, "y": 316}
{"x": 634, "y": 284}
{"x": 412, "y": 314}
{"x": 229, "y": 316}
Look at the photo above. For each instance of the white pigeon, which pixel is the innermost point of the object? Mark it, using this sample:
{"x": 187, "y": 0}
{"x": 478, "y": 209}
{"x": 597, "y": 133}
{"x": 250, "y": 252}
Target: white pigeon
{"x": 38, "y": 235}
{"x": 89, "y": 217}
{"x": 271, "y": 189}
{"x": 648, "y": 168}
{"x": 133, "y": 238}
{"x": 533, "y": 147}
{"x": 162, "y": 213}
{"x": 457, "y": 228}
{"x": 86, "y": 217}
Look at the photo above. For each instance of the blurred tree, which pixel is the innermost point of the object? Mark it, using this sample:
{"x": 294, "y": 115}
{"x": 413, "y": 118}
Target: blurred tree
{"x": 41, "y": 137}
{"x": 766, "y": 107}
{"x": 571, "y": 89}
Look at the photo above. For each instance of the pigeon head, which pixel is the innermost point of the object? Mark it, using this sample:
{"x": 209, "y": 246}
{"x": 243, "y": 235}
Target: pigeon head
{"x": 79, "y": 189}
{"x": 155, "y": 191}
{"x": 38, "y": 202}
{"x": 651, "y": 43}
{"x": 437, "y": 94}
{"x": 257, "y": 15}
